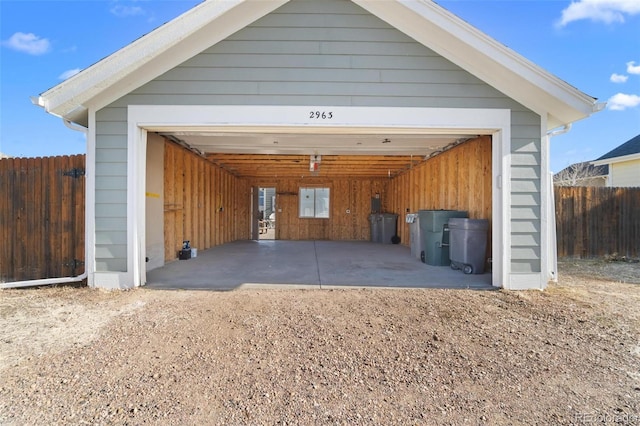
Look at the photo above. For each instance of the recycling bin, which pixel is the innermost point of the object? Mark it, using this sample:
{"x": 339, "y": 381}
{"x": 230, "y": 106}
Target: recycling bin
{"x": 434, "y": 233}
{"x": 468, "y": 244}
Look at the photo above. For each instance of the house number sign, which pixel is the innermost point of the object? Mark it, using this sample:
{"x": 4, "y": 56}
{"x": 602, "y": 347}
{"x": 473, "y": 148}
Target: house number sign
{"x": 321, "y": 115}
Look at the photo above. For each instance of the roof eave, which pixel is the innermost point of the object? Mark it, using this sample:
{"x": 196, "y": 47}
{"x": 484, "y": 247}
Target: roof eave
{"x": 612, "y": 160}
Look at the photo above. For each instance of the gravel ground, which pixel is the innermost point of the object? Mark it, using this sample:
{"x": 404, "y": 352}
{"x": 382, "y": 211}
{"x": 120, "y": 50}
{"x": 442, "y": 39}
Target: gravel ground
{"x": 568, "y": 355}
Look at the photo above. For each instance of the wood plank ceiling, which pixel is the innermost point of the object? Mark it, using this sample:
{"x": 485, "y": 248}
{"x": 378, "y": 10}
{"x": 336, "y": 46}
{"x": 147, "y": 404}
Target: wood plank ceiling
{"x": 273, "y": 165}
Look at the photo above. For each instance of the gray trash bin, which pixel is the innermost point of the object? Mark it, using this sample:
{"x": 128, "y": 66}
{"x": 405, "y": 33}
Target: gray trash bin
{"x": 383, "y": 227}
{"x": 434, "y": 235}
{"x": 376, "y": 227}
{"x": 414, "y": 231}
{"x": 389, "y": 227}
{"x": 468, "y": 244}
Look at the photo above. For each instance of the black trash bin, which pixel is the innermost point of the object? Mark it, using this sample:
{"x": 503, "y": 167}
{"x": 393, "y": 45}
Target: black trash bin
{"x": 468, "y": 244}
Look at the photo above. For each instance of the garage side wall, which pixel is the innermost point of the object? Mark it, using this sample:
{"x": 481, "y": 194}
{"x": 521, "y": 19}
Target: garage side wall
{"x": 457, "y": 179}
{"x": 154, "y": 202}
{"x": 203, "y": 203}
{"x": 321, "y": 53}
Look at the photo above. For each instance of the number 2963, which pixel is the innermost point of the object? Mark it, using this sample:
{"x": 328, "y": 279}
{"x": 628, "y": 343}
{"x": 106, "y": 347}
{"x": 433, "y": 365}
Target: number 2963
{"x": 320, "y": 115}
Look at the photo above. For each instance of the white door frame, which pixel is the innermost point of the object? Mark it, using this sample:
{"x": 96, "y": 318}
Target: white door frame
{"x": 296, "y": 119}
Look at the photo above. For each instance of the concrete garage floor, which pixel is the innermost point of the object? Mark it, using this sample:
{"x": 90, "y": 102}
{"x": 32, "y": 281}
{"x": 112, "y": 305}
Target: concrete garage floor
{"x": 309, "y": 264}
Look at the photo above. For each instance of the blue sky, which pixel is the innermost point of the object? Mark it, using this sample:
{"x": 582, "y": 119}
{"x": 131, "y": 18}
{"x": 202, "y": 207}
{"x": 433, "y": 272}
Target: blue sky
{"x": 592, "y": 44}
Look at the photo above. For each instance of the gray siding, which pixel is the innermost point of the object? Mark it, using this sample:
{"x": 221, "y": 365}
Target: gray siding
{"x": 333, "y": 53}
{"x": 111, "y": 190}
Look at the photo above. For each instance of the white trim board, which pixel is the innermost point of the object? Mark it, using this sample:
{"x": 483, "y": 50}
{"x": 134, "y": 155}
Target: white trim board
{"x": 295, "y": 119}
{"x": 90, "y": 202}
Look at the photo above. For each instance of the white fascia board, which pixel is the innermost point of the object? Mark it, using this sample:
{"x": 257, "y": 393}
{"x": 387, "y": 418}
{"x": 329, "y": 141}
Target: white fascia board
{"x": 613, "y": 160}
{"x": 153, "y": 54}
{"x": 487, "y": 59}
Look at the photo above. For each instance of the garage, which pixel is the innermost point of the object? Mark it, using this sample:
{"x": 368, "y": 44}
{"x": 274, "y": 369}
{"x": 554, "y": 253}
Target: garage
{"x": 343, "y": 100}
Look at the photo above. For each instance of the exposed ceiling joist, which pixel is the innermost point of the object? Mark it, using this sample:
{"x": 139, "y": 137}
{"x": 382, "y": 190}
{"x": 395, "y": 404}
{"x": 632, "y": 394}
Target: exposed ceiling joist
{"x": 265, "y": 155}
{"x": 269, "y": 166}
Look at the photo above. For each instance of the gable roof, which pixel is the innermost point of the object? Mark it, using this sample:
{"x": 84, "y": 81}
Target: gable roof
{"x": 214, "y": 20}
{"x": 582, "y": 171}
{"x": 627, "y": 151}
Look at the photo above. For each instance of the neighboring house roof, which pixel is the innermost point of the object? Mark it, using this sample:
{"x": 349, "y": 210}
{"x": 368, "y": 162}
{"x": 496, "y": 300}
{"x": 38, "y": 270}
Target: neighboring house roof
{"x": 630, "y": 150}
{"x": 580, "y": 172}
{"x": 214, "y": 20}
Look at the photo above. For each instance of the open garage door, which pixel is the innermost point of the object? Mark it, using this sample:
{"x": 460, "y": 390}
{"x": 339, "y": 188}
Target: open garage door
{"x": 452, "y": 173}
{"x": 407, "y": 167}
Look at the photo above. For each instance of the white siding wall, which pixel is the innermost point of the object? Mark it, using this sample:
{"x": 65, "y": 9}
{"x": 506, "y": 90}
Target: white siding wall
{"x": 626, "y": 173}
{"x": 333, "y": 53}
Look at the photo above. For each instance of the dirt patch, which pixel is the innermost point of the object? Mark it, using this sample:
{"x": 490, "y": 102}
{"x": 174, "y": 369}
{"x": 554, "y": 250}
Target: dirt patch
{"x": 52, "y": 320}
{"x": 610, "y": 268}
{"x": 569, "y": 355}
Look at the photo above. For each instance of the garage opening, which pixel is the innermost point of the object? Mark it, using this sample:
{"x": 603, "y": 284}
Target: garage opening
{"x": 208, "y": 201}
{"x": 209, "y": 194}
{"x": 427, "y": 158}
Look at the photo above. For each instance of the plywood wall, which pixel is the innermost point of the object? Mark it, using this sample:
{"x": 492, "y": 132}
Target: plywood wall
{"x": 353, "y": 194}
{"x": 202, "y": 203}
{"x": 458, "y": 179}
{"x": 210, "y": 206}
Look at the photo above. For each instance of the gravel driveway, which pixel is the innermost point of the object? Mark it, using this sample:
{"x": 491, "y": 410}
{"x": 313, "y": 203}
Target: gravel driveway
{"x": 568, "y": 355}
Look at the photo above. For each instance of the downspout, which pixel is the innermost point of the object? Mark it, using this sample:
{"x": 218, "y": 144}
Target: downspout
{"x": 52, "y": 281}
{"x": 551, "y": 212}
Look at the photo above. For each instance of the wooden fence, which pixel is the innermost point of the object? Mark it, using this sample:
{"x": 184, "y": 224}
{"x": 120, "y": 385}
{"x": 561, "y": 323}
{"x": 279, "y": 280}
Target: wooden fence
{"x": 41, "y": 217}
{"x": 594, "y": 222}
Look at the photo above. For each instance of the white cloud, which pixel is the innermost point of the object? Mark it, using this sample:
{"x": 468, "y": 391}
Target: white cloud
{"x": 632, "y": 68}
{"x": 622, "y": 101}
{"x": 28, "y": 43}
{"x": 69, "y": 73}
{"x": 617, "y": 78}
{"x": 124, "y": 11}
{"x": 607, "y": 11}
